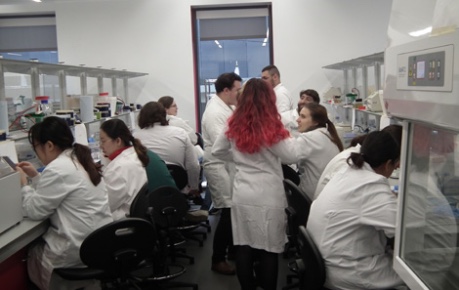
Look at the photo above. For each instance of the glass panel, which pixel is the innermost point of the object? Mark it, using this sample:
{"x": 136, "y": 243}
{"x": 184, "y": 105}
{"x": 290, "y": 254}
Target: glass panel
{"x": 430, "y": 212}
{"x": 41, "y": 56}
{"x": 19, "y": 100}
{"x": 49, "y": 84}
{"x": 246, "y": 57}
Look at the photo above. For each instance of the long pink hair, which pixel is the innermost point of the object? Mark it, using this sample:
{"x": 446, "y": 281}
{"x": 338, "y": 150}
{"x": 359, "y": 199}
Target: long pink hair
{"x": 256, "y": 122}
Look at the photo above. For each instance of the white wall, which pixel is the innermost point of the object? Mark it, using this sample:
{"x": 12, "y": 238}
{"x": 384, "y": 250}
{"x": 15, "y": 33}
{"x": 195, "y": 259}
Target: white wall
{"x": 155, "y": 36}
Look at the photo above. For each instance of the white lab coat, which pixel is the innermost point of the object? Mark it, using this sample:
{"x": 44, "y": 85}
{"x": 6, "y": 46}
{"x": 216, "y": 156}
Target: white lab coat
{"x": 257, "y": 213}
{"x": 124, "y": 176}
{"x": 75, "y": 207}
{"x": 315, "y": 149}
{"x": 179, "y": 122}
{"x": 337, "y": 164}
{"x": 172, "y": 145}
{"x": 284, "y": 101}
{"x": 218, "y": 173}
{"x": 350, "y": 222}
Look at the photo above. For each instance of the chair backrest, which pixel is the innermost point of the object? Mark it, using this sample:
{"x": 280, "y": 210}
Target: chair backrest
{"x": 313, "y": 273}
{"x": 298, "y": 200}
{"x": 139, "y": 206}
{"x": 119, "y": 247}
{"x": 290, "y": 174}
{"x": 179, "y": 175}
{"x": 169, "y": 206}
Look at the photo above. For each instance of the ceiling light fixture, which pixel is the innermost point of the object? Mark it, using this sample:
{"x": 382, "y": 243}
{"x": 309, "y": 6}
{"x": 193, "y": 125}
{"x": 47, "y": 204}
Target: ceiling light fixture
{"x": 264, "y": 42}
{"x": 37, "y": 1}
{"x": 421, "y": 32}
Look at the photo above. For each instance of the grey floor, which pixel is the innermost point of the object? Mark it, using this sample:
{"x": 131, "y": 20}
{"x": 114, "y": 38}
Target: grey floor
{"x": 201, "y": 274}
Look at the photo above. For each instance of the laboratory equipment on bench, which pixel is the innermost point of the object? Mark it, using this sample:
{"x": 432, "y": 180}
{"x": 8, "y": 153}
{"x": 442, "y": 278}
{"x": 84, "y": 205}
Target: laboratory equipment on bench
{"x": 10, "y": 195}
{"x": 373, "y": 102}
{"x": 422, "y": 90}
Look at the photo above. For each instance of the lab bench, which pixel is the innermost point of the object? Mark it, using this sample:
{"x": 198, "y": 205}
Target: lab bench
{"x": 13, "y": 252}
{"x": 19, "y": 236}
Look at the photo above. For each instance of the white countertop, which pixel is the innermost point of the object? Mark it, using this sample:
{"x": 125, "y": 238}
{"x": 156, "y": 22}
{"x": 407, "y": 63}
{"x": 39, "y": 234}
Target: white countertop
{"x": 19, "y": 236}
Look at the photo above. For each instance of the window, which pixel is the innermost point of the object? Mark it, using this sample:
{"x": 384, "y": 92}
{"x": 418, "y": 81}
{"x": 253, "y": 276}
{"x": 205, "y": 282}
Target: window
{"x": 29, "y": 38}
{"x": 229, "y": 39}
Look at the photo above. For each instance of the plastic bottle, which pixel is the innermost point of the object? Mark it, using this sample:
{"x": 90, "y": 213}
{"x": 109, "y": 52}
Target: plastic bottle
{"x": 94, "y": 146}
{"x": 43, "y": 107}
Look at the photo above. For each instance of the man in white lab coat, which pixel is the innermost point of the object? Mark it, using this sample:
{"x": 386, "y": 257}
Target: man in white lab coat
{"x": 217, "y": 172}
{"x": 271, "y": 75}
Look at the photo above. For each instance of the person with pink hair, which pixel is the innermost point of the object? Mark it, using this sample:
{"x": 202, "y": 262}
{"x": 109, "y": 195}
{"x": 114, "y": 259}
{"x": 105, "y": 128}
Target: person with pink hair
{"x": 258, "y": 143}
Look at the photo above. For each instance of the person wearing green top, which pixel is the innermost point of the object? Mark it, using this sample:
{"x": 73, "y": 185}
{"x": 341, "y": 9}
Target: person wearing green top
{"x": 157, "y": 173}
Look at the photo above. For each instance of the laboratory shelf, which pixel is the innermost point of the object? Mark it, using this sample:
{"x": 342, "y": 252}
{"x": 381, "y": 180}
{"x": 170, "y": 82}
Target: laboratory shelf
{"x": 25, "y": 67}
{"x": 362, "y": 63}
{"x": 368, "y": 60}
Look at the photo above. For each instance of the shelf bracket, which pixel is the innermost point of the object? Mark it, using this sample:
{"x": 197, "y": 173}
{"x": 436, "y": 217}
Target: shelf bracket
{"x": 63, "y": 88}
{"x": 2, "y": 84}
{"x": 83, "y": 84}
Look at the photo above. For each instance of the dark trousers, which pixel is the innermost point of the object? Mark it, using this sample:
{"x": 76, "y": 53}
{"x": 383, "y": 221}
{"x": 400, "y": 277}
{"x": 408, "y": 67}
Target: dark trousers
{"x": 223, "y": 237}
{"x": 263, "y": 264}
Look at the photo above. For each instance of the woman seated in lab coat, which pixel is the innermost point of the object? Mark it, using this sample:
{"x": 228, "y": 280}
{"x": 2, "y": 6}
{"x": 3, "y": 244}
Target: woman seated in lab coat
{"x": 354, "y": 216}
{"x": 125, "y": 173}
{"x": 257, "y": 142}
{"x": 171, "y": 110}
{"x": 289, "y": 117}
{"x": 317, "y": 144}
{"x": 70, "y": 192}
{"x": 339, "y": 163}
{"x": 130, "y": 166}
{"x": 171, "y": 143}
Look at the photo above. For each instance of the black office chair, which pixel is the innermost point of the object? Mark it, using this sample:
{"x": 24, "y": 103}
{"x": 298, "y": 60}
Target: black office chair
{"x": 290, "y": 174}
{"x": 179, "y": 174}
{"x": 311, "y": 266}
{"x": 112, "y": 252}
{"x": 180, "y": 177}
{"x": 297, "y": 215}
{"x": 144, "y": 206}
{"x": 163, "y": 272}
{"x": 298, "y": 200}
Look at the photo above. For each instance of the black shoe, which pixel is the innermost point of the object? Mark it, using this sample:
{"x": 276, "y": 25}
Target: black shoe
{"x": 231, "y": 256}
{"x": 214, "y": 211}
{"x": 198, "y": 200}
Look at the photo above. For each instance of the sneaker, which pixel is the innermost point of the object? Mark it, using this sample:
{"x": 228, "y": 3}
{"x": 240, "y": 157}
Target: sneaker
{"x": 197, "y": 216}
{"x": 224, "y": 268}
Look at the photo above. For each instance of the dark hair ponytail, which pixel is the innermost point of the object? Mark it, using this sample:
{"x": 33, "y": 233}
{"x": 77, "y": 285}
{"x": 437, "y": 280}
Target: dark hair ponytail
{"x": 83, "y": 155}
{"x": 357, "y": 159}
{"x": 377, "y": 148}
{"x": 57, "y": 131}
{"x": 334, "y": 134}
{"x": 140, "y": 150}
{"x": 116, "y": 128}
{"x": 319, "y": 115}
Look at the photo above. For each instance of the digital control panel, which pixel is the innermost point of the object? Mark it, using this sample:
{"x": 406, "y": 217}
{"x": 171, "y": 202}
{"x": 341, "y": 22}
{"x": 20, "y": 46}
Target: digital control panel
{"x": 429, "y": 70}
{"x": 426, "y": 70}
